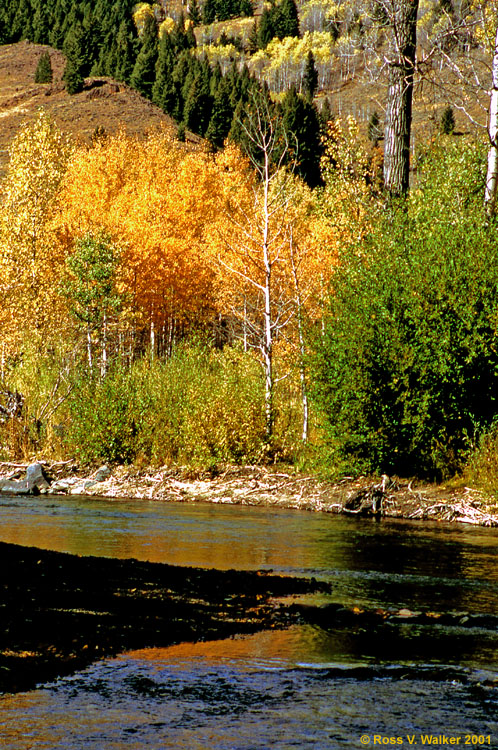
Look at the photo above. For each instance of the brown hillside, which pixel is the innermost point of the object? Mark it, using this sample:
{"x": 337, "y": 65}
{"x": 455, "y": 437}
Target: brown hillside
{"x": 103, "y": 102}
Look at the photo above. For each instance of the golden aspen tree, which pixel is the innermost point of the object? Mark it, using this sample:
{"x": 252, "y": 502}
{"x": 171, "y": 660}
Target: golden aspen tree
{"x": 30, "y": 265}
{"x": 269, "y": 251}
{"x": 154, "y": 199}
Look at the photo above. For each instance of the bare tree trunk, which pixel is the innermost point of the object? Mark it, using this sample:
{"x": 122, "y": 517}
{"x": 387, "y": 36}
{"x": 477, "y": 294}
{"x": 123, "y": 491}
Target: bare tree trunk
{"x": 267, "y": 345}
{"x": 492, "y": 172}
{"x": 89, "y": 345}
{"x": 402, "y": 15}
{"x": 103, "y": 369}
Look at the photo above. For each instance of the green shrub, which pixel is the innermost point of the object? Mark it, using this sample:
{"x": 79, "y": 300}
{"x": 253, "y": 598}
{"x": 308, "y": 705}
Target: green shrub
{"x": 200, "y": 407}
{"x": 407, "y": 369}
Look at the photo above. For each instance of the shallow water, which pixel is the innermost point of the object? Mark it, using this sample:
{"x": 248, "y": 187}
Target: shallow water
{"x": 303, "y": 688}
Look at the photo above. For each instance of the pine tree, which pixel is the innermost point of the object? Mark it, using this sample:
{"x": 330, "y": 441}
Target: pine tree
{"x": 73, "y": 49}
{"x": 194, "y": 12}
{"x": 125, "y": 52}
{"x": 252, "y": 43}
{"x": 286, "y": 19}
{"x": 266, "y": 28}
{"x": 302, "y": 128}
{"x": 221, "y": 116}
{"x": 41, "y": 25}
{"x": 144, "y": 71}
{"x": 310, "y": 77}
{"x": 164, "y": 69}
{"x": 447, "y": 121}
{"x": 43, "y": 72}
{"x": 209, "y": 11}
{"x": 73, "y": 78}
{"x": 246, "y": 8}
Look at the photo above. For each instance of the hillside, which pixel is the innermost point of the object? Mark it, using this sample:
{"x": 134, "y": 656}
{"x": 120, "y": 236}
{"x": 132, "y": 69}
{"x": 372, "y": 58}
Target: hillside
{"x": 103, "y": 103}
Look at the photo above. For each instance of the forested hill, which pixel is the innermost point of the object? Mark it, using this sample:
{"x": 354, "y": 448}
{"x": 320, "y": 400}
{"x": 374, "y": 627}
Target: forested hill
{"x": 104, "y": 104}
{"x": 157, "y": 55}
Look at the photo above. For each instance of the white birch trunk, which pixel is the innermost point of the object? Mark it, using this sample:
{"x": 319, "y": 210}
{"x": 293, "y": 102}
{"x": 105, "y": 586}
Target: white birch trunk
{"x": 492, "y": 171}
{"x": 268, "y": 332}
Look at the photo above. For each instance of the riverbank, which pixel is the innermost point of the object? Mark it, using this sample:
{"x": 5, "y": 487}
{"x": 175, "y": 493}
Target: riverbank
{"x": 255, "y": 485}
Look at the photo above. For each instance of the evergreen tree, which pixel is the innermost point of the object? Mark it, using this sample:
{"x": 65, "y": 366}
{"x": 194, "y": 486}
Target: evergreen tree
{"x": 43, "y": 72}
{"x": 21, "y": 24}
{"x": 252, "y": 42}
{"x": 41, "y": 25}
{"x": 216, "y": 79}
{"x": 209, "y": 12}
{"x": 73, "y": 49}
{"x": 164, "y": 69}
{"x": 73, "y": 78}
{"x": 144, "y": 71}
{"x": 310, "y": 77}
{"x": 198, "y": 106}
{"x": 286, "y": 19}
{"x": 447, "y": 121}
{"x": 266, "y": 28}
{"x": 125, "y": 52}
{"x": 221, "y": 116}
{"x": 246, "y": 8}
{"x": 56, "y": 36}
{"x": 302, "y": 128}
{"x": 194, "y": 12}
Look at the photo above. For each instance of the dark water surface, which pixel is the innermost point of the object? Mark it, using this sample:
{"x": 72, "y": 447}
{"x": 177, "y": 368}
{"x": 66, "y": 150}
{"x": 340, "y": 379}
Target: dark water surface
{"x": 302, "y": 688}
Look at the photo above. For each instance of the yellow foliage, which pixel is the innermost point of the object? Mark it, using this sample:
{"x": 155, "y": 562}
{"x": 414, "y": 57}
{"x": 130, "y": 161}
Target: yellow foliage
{"x": 141, "y": 12}
{"x": 166, "y": 27}
{"x": 29, "y": 261}
{"x": 155, "y": 200}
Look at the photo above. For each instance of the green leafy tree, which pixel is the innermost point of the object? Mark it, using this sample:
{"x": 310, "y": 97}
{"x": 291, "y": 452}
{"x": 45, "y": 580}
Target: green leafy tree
{"x": 43, "y": 72}
{"x": 90, "y": 287}
{"x": 407, "y": 369}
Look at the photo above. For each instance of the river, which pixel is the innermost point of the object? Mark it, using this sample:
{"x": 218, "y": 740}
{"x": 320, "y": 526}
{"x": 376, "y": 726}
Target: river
{"x": 301, "y": 688}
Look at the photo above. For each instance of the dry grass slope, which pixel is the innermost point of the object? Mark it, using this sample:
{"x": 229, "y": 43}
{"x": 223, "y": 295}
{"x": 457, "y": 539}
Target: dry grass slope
{"x": 103, "y": 102}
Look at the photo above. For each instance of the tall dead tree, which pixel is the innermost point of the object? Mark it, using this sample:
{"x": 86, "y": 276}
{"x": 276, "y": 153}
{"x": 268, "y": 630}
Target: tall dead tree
{"x": 401, "y": 21}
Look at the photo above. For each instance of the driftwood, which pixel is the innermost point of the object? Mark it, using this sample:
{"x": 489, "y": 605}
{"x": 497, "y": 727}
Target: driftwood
{"x": 372, "y": 500}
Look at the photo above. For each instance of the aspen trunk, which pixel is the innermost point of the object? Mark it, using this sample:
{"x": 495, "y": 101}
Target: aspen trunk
{"x": 268, "y": 329}
{"x": 401, "y": 64}
{"x": 492, "y": 172}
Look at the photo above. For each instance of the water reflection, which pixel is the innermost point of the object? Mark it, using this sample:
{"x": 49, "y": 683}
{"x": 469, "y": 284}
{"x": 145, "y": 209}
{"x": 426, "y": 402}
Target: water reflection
{"x": 275, "y": 690}
{"x": 385, "y": 564}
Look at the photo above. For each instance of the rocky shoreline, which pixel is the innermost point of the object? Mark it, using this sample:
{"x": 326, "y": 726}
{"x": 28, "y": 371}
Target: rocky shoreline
{"x": 252, "y": 485}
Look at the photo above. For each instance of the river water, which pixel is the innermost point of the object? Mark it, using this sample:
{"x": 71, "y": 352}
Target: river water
{"x": 301, "y": 688}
